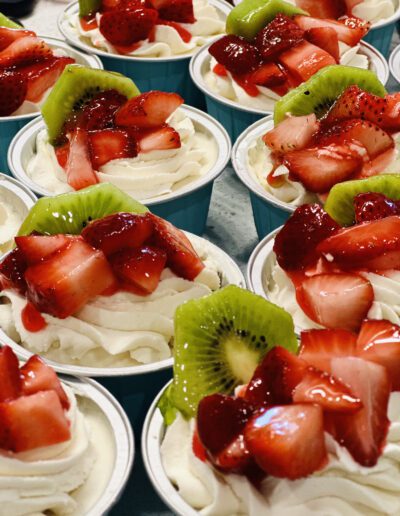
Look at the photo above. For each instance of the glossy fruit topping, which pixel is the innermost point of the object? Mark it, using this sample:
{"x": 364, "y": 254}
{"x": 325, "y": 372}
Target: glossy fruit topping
{"x": 348, "y": 30}
{"x": 373, "y": 206}
{"x": 13, "y": 89}
{"x": 236, "y": 54}
{"x": 279, "y": 35}
{"x": 294, "y": 133}
{"x": 304, "y": 60}
{"x": 79, "y": 169}
{"x": 159, "y": 139}
{"x": 35, "y": 248}
{"x": 10, "y": 381}
{"x": 325, "y": 38}
{"x": 108, "y": 144}
{"x": 12, "y": 269}
{"x": 127, "y": 27}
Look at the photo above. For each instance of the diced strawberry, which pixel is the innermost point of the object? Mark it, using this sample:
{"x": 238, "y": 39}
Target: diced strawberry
{"x": 108, "y": 144}
{"x": 127, "y": 27}
{"x": 364, "y": 432}
{"x": 32, "y": 319}
{"x": 119, "y": 231}
{"x": 39, "y": 247}
{"x": 304, "y": 60}
{"x": 268, "y": 75}
{"x": 64, "y": 283}
{"x": 387, "y": 260}
{"x": 391, "y": 116}
{"x": 320, "y": 168}
{"x": 336, "y": 300}
{"x": 318, "y": 347}
{"x": 13, "y": 88}
{"x": 236, "y": 54}
{"x": 349, "y": 32}
{"x": 378, "y": 164}
{"x": 379, "y": 342}
{"x": 374, "y": 206}
{"x": 99, "y": 112}
{"x": 79, "y": 170}
{"x": 37, "y": 376}
{"x": 296, "y": 242}
{"x": 358, "y": 25}
{"x": 323, "y": 8}
{"x": 181, "y": 256}
{"x": 34, "y": 421}
{"x": 235, "y": 458}
{"x": 293, "y": 133}
{"x": 62, "y": 153}
{"x": 10, "y": 382}
{"x": 148, "y": 110}
{"x": 288, "y": 441}
{"x": 160, "y": 139}
{"x": 278, "y": 35}
{"x": 177, "y": 10}
{"x": 325, "y": 38}
{"x": 25, "y": 51}
{"x": 8, "y": 36}
{"x": 12, "y": 270}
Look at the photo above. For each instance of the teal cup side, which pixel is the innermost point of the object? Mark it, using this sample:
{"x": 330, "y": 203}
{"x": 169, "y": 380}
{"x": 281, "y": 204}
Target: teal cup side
{"x": 8, "y": 129}
{"x": 266, "y": 216}
{"x": 381, "y": 38}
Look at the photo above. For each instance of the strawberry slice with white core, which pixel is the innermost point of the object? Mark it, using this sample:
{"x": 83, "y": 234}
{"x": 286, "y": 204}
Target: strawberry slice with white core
{"x": 364, "y": 432}
{"x": 325, "y": 38}
{"x": 37, "y": 376}
{"x": 323, "y": 8}
{"x": 351, "y": 35}
{"x": 161, "y": 139}
{"x": 8, "y": 36}
{"x": 10, "y": 381}
{"x": 109, "y": 144}
{"x": 293, "y": 133}
{"x": 79, "y": 170}
{"x": 39, "y": 247}
{"x": 288, "y": 441}
{"x": 65, "y": 282}
{"x": 33, "y": 422}
{"x": 336, "y": 300}
{"x": 25, "y": 50}
{"x": 13, "y": 88}
{"x": 148, "y": 110}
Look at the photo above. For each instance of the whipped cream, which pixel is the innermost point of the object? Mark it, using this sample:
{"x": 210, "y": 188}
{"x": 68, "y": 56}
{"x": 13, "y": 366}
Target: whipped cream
{"x": 145, "y": 177}
{"x": 343, "y": 487}
{"x": 167, "y": 42}
{"x": 12, "y": 213}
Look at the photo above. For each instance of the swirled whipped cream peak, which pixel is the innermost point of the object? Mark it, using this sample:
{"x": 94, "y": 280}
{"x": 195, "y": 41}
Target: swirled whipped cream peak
{"x": 147, "y": 28}
{"x": 12, "y": 212}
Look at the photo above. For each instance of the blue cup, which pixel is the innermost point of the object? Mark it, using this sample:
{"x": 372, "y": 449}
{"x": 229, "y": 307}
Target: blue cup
{"x": 381, "y": 34}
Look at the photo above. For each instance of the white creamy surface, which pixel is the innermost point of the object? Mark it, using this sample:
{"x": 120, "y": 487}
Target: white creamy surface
{"x": 12, "y": 213}
{"x": 343, "y": 487}
{"x": 167, "y": 42}
{"x": 148, "y": 175}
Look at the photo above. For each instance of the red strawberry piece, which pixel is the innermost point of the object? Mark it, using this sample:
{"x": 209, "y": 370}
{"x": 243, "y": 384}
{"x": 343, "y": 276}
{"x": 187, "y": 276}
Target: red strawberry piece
{"x": 296, "y": 242}
{"x": 32, "y": 319}
{"x": 39, "y": 247}
{"x": 12, "y": 270}
{"x": 320, "y": 168}
{"x": 25, "y": 51}
{"x": 13, "y": 88}
{"x": 34, "y": 421}
{"x": 325, "y": 38}
{"x": 356, "y": 24}
{"x": 268, "y": 75}
{"x": 293, "y": 133}
{"x": 10, "y": 382}
{"x": 62, "y": 153}
{"x": 79, "y": 170}
{"x": 378, "y": 164}
{"x": 288, "y": 441}
{"x": 108, "y": 144}
{"x": 127, "y": 27}
{"x": 235, "y": 458}
{"x": 37, "y": 376}
{"x": 160, "y": 139}
{"x": 350, "y": 32}
{"x": 279, "y": 35}
{"x": 379, "y": 342}
{"x": 336, "y": 300}
{"x": 180, "y": 11}
{"x": 198, "y": 449}
{"x": 118, "y": 231}
{"x": 99, "y": 112}
{"x": 275, "y": 378}
{"x": 64, "y": 283}
{"x": 220, "y": 70}
{"x": 323, "y": 8}
{"x": 236, "y": 54}
{"x": 318, "y": 347}
{"x": 8, "y": 36}
{"x": 391, "y": 118}
{"x": 373, "y": 206}
{"x": 364, "y": 432}
{"x": 109, "y": 5}
{"x": 148, "y": 110}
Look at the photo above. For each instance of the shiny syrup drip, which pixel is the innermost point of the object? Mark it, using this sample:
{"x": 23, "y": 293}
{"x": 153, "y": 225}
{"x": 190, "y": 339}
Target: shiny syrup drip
{"x": 88, "y": 23}
{"x": 32, "y": 319}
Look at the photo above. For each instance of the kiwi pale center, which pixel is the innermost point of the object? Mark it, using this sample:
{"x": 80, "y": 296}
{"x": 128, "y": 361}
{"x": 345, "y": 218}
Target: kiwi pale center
{"x": 241, "y": 359}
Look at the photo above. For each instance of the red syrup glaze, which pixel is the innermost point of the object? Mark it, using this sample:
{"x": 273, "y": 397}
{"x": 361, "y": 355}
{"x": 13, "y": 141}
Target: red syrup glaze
{"x": 127, "y": 49}
{"x": 249, "y": 88}
{"x": 220, "y": 70}
{"x": 88, "y": 23}
{"x": 183, "y": 33}
{"x": 32, "y": 319}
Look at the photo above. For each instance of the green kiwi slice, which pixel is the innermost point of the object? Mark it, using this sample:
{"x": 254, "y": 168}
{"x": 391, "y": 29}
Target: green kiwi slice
{"x": 69, "y": 213}
{"x": 339, "y": 203}
{"x": 320, "y": 91}
{"x": 219, "y": 340}
{"x": 250, "y": 16}
{"x": 88, "y": 7}
{"x": 75, "y": 86}
{"x": 6, "y": 22}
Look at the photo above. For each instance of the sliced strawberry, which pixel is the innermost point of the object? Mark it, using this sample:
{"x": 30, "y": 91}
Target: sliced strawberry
{"x": 288, "y": 441}
{"x": 148, "y": 110}
{"x": 374, "y": 206}
{"x": 12, "y": 270}
{"x": 160, "y": 139}
{"x": 235, "y": 458}
{"x": 320, "y": 168}
{"x": 108, "y": 144}
{"x": 268, "y": 75}
{"x": 278, "y": 35}
{"x": 304, "y": 60}
{"x": 8, "y": 36}
{"x": 99, "y": 112}
{"x": 181, "y": 256}
{"x": 358, "y": 25}
{"x": 336, "y": 300}
{"x": 325, "y": 38}
{"x": 39, "y": 247}
{"x": 10, "y": 382}
{"x": 180, "y": 11}
{"x": 349, "y": 32}
{"x": 236, "y": 54}
{"x": 293, "y": 133}
{"x": 65, "y": 282}
{"x": 13, "y": 88}
{"x": 378, "y": 164}
{"x": 296, "y": 242}
{"x": 387, "y": 260}
{"x": 364, "y": 432}
{"x": 37, "y": 376}
{"x": 318, "y": 347}
{"x": 34, "y": 421}
{"x": 79, "y": 170}
{"x": 323, "y": 8}
{"x": 62, "y": 154}
{"x": 127, "y": 27}
{"x": 25, "y": 51}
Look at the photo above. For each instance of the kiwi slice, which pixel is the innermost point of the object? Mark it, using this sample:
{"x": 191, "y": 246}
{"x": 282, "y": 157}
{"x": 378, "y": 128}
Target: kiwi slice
{"x": 322, "y": 89}
{"x": 88, "y": 7}
{"x": 166, "y": 406}
{"x": 250, "y": 16}
{"x": 339, "y": 203}
{"x": 6, "y": 22}
{"x": 219, "y": 341}
{"x": 70, "y": 213}
{"x": 75, "y": 86}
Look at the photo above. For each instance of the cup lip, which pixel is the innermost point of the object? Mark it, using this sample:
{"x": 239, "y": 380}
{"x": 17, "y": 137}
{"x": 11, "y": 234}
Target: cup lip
{"x": 73, "y": 9}
{"x": 90, "y": 60}
{"x": 201, "y": 59}
{"x": 123, "y": 438}
{"x": 19, "y": 189}
{"x": 394, "y": 60}
{"x": 233, "y": 276}
{"x": 29, "y": 132}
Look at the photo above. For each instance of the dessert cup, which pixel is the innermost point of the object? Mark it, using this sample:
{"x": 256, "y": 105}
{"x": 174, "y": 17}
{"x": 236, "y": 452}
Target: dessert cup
{"x": 186, "y": 207}
{"x": 10, "y": 125}
{"x": 394, "y": 63}
{"x": 154, "y": 73}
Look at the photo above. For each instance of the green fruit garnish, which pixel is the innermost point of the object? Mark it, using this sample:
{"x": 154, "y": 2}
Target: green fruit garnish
{"x": 88, "y": 7}
{"x": 166, "y": 406}
{"x": 6, "y": 22}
